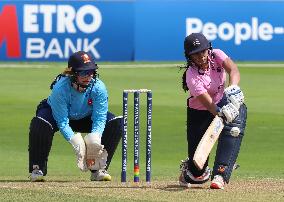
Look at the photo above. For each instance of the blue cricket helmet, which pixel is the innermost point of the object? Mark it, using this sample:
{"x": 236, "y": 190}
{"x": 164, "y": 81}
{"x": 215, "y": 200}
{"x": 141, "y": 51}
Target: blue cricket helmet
{"x": 81, "y": 61}
{"x": 195, "y": 43}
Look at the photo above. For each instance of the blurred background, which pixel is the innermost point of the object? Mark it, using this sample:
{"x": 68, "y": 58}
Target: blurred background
{"x": 141, "y": 30}
{"x": 139, "y": 44}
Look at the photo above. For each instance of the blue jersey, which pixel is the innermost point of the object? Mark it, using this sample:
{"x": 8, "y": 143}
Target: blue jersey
{"x": 69, "y": 104}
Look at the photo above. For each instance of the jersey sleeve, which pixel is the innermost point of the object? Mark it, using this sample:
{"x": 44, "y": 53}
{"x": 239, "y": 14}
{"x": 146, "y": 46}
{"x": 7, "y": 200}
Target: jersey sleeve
{"x": 100, "y": 108}
{"x": 220, "y": 56}
{"x": 58, "y": 104}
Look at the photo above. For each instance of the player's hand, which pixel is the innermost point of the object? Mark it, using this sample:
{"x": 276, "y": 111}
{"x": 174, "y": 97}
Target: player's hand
{"x": 79, "y": 147}
{"x": 100, "y": 162}
{"x": 94, "y": 149}
{"x": 235, "y": 95}
{"x": 229, "y": 112}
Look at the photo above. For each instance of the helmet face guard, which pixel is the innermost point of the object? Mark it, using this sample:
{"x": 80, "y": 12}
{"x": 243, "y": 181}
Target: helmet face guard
{"x": 194, "y": 43}
{"x": 85, "y": 73}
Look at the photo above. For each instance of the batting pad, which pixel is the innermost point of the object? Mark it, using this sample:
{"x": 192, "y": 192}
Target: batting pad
{"x": 40, "y": 141}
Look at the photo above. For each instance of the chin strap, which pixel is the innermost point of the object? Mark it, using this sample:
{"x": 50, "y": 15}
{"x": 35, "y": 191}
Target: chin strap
{"x": 79, "y": 87}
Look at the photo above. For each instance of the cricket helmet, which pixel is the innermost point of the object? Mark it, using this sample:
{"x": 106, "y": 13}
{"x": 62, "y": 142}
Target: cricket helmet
{"x": 195, "y": 43}
{"x": 81, "y": 61}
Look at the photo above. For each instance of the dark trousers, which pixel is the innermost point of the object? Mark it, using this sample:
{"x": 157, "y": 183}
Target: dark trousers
{"x": 43, "y": 127}
{"x": 197, "y": 123}
{"x": 228, "y": 146}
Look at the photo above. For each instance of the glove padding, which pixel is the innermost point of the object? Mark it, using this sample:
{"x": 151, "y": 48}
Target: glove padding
{"x": 235, "y": 95}
{"x": 229, "y": 112}
{"x": 94, "y": 149}
{"x": 79, "y": 147}
{"x": 100, "y": 162}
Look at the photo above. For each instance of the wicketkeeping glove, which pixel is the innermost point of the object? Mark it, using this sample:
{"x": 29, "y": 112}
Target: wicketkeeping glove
{"x": 79, "y": 147}
{"x": 235, "y": 95}
{"x": 94, "y": 149}
{"x": 100, "y": 162}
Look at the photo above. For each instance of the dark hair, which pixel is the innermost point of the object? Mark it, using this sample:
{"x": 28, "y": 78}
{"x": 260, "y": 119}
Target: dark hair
{"x": 185, "y": 66}
{"x": 184, "y": 85}
{"x": 56, "y": 79}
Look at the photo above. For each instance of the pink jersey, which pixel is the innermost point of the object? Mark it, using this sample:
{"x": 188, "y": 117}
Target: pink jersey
{"x": 211, "y": 81}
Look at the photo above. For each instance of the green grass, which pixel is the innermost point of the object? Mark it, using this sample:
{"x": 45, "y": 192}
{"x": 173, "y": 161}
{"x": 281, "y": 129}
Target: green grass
{"x": 261, "y": 155}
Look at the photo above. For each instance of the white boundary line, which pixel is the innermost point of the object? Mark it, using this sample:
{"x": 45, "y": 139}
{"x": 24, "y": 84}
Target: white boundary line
{"x": 114, "y": 66}
{"x": 14, "y": 65}
{"x": 277, "y": 65}
{"x": 132, "y": 66}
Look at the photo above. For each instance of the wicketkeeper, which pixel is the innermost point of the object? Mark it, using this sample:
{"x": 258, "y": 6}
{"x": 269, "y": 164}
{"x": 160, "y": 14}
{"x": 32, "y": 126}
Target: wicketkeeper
{"x": 78, "y": 103}
{"x": 205, "y": 79}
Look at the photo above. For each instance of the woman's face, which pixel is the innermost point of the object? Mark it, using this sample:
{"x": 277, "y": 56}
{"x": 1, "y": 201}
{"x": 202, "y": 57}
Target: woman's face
{"x": 85, "y": 77}
{"x": 200, "y": 59}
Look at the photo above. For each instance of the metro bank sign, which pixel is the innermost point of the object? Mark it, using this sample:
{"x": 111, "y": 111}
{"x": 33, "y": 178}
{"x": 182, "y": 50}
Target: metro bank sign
{"x": 52, "y": 31}
{"x": 9, "y": 32}
{"x": 49, "y": 19}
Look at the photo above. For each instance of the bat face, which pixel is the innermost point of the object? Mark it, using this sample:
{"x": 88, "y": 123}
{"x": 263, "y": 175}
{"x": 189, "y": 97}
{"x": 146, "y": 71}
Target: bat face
{"x": 207, "y": 142}
{"x": 218, "y": 125}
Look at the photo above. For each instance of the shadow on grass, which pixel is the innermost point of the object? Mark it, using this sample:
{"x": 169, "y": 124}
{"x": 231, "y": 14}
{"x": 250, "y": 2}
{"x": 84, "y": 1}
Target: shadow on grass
{"x": 13, "y": 181}
{"x": 176, "y": 188}
{"x": 161, "y": 186}
{"x": 168, "y": 188}
{"x": 7, "y": 181}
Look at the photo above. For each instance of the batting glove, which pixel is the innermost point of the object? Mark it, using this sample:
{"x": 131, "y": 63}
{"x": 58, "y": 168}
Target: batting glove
{"x": 229, "y": 112}
{"x": 235, "y": 95}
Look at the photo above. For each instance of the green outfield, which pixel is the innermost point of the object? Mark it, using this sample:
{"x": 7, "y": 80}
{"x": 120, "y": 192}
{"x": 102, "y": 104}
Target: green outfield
{"x": 259, "y": 178}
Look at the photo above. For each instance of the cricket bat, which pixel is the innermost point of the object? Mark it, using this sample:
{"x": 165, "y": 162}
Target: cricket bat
{"x": 207, "y": 142}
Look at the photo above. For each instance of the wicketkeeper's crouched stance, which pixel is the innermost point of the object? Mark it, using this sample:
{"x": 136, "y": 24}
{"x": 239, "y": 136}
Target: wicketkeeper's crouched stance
{"x": 205, "y": 78}
{"x": 77, "y": 104}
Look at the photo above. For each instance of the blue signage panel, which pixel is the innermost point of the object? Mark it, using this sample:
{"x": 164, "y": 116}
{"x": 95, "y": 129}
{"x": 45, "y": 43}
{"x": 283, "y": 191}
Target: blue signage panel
{"x": 141, "y": 30}
{"x": 246, "y": 30}
{"x": 52, "y": 30}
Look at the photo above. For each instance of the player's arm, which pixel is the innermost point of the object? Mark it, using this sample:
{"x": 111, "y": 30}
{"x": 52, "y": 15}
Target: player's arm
{"x": 60, "y": 114}
{"x": 95, "y": 150}
{"x": 100, "y": 108}
{"x": 233, "y": 92}
{"x": 232, "y": 70}
{"x": 229, "y": 111}
{"x": 207, "y": 101}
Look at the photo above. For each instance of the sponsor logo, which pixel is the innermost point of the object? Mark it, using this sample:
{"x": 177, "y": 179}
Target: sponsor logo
{"x": 9, "y": 32}
{"x": 221, "y": 169}
{"x": 49, "y": 30}
{"x": 239, "y": 32}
